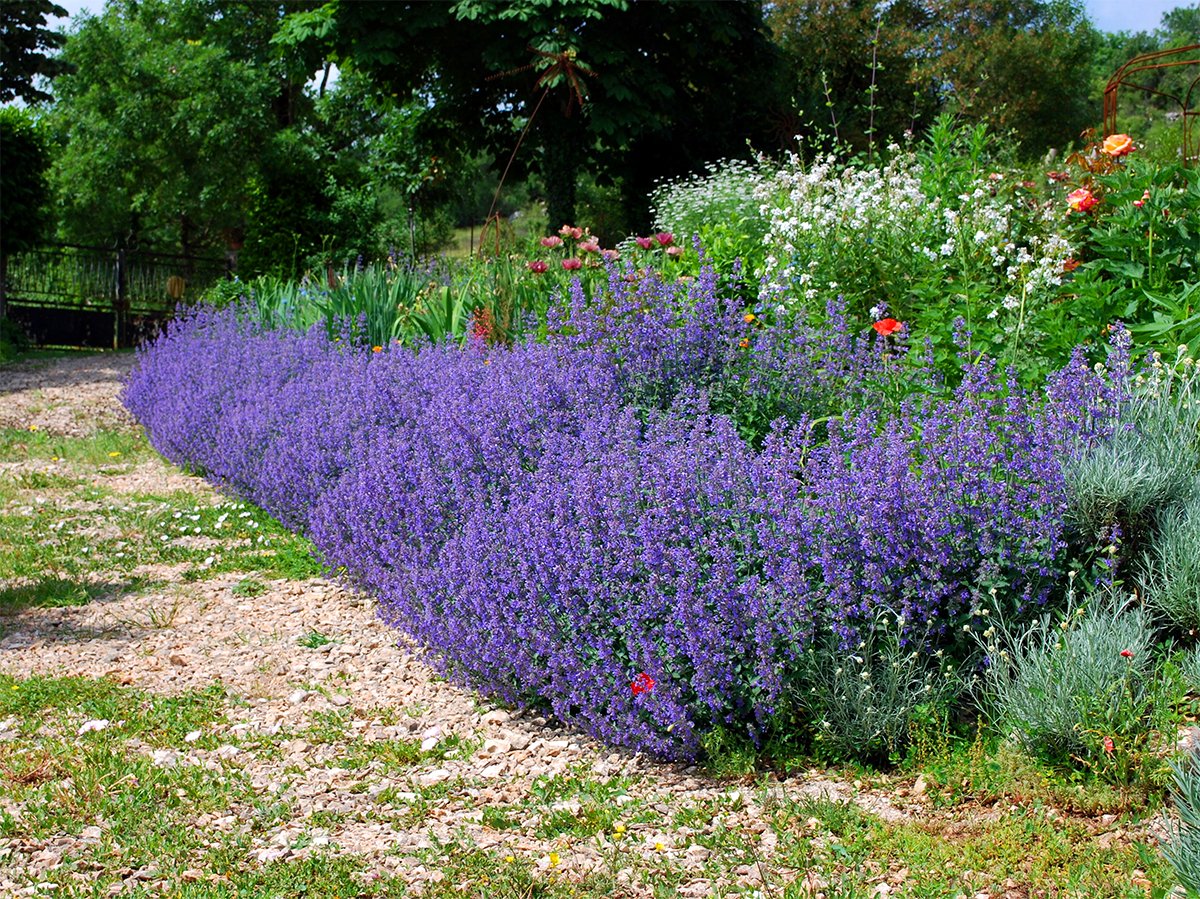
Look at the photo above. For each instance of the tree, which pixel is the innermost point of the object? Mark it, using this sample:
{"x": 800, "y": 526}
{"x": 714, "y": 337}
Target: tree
{"x": 1021, "y": 65}
{"x": 25, "y": 43}
{"x": 631, "y": 91}
{"x": 847, "y": 70}
{"x": 160, "y": 125}
{"x": 24, "y": 218}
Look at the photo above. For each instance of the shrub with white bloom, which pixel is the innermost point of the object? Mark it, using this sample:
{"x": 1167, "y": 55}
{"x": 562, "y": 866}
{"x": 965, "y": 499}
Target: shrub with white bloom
{"x": 884, "y": 231}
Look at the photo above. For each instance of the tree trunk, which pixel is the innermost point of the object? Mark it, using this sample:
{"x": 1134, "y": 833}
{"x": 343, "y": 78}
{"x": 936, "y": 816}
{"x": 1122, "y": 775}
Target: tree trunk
{"x": 560, "y": 166}
{"x": 3, "y": 285}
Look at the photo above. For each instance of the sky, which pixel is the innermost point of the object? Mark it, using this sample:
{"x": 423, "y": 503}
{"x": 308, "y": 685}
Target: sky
{"x": 1107, "y": 15}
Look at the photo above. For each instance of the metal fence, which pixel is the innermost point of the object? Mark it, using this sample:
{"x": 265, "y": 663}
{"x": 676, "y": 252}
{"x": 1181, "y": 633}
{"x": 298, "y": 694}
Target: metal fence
{"x": 94, "y": 296}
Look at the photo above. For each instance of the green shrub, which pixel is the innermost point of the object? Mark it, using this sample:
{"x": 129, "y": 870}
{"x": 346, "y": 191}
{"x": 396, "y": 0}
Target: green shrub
{"x": 1079, "y": 690}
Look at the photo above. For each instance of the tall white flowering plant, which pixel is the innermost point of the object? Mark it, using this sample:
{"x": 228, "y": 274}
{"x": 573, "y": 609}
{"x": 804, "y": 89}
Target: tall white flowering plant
{"x": 916, "y": 241}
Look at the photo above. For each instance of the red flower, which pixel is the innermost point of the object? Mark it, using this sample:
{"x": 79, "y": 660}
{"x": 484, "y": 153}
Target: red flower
{"x": 664, "y": 238}
{"x": 644, "y": 242}
{"x": 887, "y": 327}
{"x": 572, "y": 264}
{"x": 643, "y": 683}
{"x": 1127, "y": 653}
{"x": 1142, "y": 202}
{"x": 1109, "y": 746}
{"x": 537, "y": 266}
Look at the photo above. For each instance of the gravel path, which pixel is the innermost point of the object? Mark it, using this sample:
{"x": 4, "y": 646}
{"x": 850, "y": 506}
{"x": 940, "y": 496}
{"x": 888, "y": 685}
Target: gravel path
{"x": 189, "y": 635}
{"x": 315, "y": 701}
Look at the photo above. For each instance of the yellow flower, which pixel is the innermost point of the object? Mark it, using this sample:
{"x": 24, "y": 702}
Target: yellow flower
{"x": 748, "y": 317}
{"x": 33, "y": 427}
{"x": 509, "y": 859}
{"x": 658, "y": 847}
{"x": 554, "y": 859}
{"x": 113, "y": 455}
{"x": 376, "y": 349}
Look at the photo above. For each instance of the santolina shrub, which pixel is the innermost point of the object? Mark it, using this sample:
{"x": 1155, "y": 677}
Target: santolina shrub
{"x": 590, "y": 524}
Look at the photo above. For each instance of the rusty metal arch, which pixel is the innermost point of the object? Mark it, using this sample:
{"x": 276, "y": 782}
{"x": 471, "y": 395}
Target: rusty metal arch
{"x": 1188, "y": 111}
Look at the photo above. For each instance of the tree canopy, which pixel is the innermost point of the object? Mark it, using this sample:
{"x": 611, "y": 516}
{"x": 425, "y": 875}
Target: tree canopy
{"x": 26, "y": 45}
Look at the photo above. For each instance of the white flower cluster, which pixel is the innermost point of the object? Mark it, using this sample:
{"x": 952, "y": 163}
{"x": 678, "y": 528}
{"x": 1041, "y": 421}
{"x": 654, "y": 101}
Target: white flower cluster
{"x": 726, "y": 194}
{"x": 828, "y": 217}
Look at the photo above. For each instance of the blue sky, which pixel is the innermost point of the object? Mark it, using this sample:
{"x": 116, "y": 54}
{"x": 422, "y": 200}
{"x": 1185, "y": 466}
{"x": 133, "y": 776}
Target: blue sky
{"x": 1108, "y": 15}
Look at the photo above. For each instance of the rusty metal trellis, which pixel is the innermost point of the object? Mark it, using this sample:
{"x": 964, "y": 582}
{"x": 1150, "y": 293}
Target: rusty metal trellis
{"x": 1188, "y": 111}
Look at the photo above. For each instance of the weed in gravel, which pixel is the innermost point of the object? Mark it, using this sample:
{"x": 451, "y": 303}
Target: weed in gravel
{"x": 248, "y": 588}
{"x": 315, "y": 640}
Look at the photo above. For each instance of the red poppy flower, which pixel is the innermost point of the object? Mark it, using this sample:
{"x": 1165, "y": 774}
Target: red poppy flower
{"x": 887, "y": 327}
{"x": 643, "y": 683}
{"x": 664, "y": 238}
{"x": 1127, "y": 653}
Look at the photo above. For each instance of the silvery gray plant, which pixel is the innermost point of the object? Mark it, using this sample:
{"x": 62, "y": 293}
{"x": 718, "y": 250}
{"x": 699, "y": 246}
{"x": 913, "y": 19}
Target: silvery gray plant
{"x": 1182, "y": 848}
{"x": 1062, "y": 685}
{"x": 1169, "y": 570}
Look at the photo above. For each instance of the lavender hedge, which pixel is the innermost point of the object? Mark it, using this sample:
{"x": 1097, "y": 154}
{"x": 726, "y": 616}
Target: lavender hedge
{"x": 602, "y": 522}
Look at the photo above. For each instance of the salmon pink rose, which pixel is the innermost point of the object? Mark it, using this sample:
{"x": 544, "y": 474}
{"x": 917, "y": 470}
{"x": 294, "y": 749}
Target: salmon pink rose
{"x": 1116, "y": 145}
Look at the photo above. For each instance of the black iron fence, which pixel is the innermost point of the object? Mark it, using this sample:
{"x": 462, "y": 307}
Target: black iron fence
{"x": 91, "y": 296}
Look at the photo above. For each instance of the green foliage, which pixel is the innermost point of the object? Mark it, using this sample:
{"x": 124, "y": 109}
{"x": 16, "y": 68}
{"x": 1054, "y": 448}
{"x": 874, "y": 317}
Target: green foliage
{"x": 24, "y": 161}
{"x": 1082, "y": 690}
{"x": 25, "y": 44}
{"x": 1015, "y": 64}
{"x": 1139, "y": 249}
{"x": 159, "y": 123}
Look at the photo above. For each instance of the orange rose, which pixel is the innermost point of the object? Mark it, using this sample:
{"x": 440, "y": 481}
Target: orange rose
{"x": 1118, "y": 145}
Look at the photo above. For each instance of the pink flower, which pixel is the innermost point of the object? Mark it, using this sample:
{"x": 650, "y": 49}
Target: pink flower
{"x": 644, "y": 242}
{"x": 887, "y": 327}
{"x": 591, "y": 245}
{"x": 643, "y": 683}
{"x": 1142, "y": 202}
{"x": 537, "y": 266}
{"x": 664, "y": 238}
{"x": 610, "y": 254}
{"x": 551, "y": 242}
{"x": 571, "y": 232}
{"x": 1081, "y": 200}
{"x": 572, "y": 264}
{"x": 1108, "y": 745}
{"x": 675, "y": 251}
